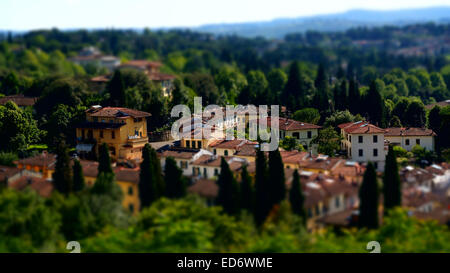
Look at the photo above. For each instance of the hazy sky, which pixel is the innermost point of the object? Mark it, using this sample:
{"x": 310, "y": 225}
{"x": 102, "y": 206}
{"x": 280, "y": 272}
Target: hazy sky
{"x": 33, "y": 14}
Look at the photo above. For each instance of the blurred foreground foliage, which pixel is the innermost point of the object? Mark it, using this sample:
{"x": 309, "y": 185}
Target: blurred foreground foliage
{"x": 29, "y": 223}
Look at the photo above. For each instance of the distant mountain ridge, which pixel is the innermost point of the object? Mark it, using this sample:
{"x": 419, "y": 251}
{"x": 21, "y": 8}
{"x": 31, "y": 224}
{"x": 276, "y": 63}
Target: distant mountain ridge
{"x": 277, "y": 28}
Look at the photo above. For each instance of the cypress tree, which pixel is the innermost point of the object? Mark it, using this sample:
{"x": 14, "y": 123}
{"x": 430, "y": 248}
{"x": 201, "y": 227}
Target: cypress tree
{"x": 104, "y": 161}
{"x": 434, "y": 119}
{"x": 276, "y": 178}
{"x": 228, "y": 195}
{"x": 293, "y": 94}
{"x": 340, "y": 96}
{"x": 175, "y": 184}
{"x": 116, "y": 89}
{"x": 247, "y": 192}
{"x": 320, "y": 99}
{"x": 354, "y": 97}
{"x": 157, "y": 173}
{"x": 262, "y": 197}
{"x": 296, "y": 197}
{"x": 375, "y": 105}
{"x": 62, "y": 177}
{"x": 368, "y": 199}
{"x": 392, "y": 190}
{"x": 78, "y": 177}
{"x": 147, "y": 186}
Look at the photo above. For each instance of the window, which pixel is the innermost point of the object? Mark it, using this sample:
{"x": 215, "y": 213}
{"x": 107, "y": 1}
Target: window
{"x": 188, "y": 143}
{"x": 101, "y": 134}
{"x": 350, "y": 139}
{"x": 407, "y": 141}
{"x": 375, "y": 152}
{"x": 418, "y": 141}
{"x": 360, "y": 139}
{"x": 216, "y": 172}
{"x": 360, "y": 152}
{"x": 193, "y": 144}
{"x": 309, "y": 134}
{"x": 199, "y": 144}
{"x": 337, "y": 202}
{"x": 205, "y": 173}
{"x": 375, "y": 139}
{"x": 375, "y": 164}
{"x": 131, "y": 207}
{"x": 225, "y": 153}
{"x": 296, "y": 135}
{"x": 215, "y": 151}
{"x": 113, "y": 134}
{"x": 130, "y": 190}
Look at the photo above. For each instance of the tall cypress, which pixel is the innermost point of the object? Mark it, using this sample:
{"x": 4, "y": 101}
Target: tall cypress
{"x": 147, "y": 186}
{"x": 78, "y": 177}
{"x": 175, "y": 184}
{"x": 368, "y": 199}
{"x": 157, "y": 173}
{"x": 354, "y": 97}
{"x": 62, "y": 177}
{"x": 392, "y": 191}
{"x": 375, "y": 105}
{"x": 340, "y": 96}
{"x": 247, "y": 193}
{"x": 276, "y": 177}
{"x": 116, "y": 89}
{"x": 262, "y": 197}
{"x": 228, "y": 195}
{"x": 293, "y": 94}
{"x": 296, "y": 197}
{"x": 104, "y": 161}
{"x": 320, "y": 99}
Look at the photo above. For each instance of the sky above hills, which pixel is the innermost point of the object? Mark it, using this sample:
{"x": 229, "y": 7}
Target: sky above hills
{"x": 67, "y": 14}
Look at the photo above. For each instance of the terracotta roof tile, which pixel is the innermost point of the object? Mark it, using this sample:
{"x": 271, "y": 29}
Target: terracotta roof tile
{"x": 116, "y": 112}
{"x": 410, "y": 131}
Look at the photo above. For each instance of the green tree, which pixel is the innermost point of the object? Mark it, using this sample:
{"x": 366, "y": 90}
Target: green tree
{"x": 276, "y": 178}
{"x": 262, "y": 188}
{"x": 294, "y": 91}
{"x": 415, "y": 115}
{"x": 354, "y": 97}
{"x": 392, "y": 191}
{"x": 116, "y": 89}
{"x": 174, "y": 181}
{"x": 277, "y": 80}
{"x": 321, "y": 97}
{"x": 296, "y": 197}
{"x": 62, "y": 177}
{"x": 368, "y": 199}
{"x": 375, "y": 105}
{"x": 247, "y": 192}
{"x": 341, "y": 96}
{"x": 78, "y": 177}
{"x": 17, "y": 128}
{"x": 340, "y": 117}
{"x": 395, "y": 122}
{"x": 150, "y": 177}
{"x": 104, "y": 161}
{"x": 228, "y": 195}
{"x": 310, "y": 115}
{"x": 328, "y": 141}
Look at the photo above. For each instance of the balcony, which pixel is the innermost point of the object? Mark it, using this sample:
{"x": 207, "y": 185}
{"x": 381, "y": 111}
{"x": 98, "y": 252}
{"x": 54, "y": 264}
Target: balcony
{"x": 134, "y": 140}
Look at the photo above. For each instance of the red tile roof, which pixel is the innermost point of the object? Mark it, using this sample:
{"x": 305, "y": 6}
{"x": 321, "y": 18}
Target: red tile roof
{"x": 7, "y": 172}
{"x": 204, "y": 187}
{"x": 141, "y": 64}
{"x": 43, "y": 160}
{"x": 42, "y": 186}
{"x": 292, "y": 125}
{"x": 410, "y": 131}
{"x": 116, "y": 112}
{"x": 360, "y": 127}
{"x": 19, "y": 100}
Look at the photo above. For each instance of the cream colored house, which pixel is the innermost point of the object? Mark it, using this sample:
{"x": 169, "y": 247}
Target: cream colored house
{"x": 364, "y": 142}
{"x": 407, "y": 138}
{"x": 301, "y": 131}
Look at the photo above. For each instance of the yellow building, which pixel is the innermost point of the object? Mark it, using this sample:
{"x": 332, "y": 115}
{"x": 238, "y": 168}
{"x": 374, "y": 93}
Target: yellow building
{"x": 123, "y": 130}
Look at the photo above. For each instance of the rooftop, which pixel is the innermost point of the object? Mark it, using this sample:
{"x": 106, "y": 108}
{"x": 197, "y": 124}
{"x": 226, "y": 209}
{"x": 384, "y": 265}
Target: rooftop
{"x": 116, "y": 112}
{"x": 410, "y": 131}
{"x": 361, "y": 127}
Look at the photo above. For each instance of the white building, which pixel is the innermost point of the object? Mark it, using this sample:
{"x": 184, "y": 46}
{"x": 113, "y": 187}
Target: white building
{"x": 407, "y": 138}
{"x": 364, "y": 142}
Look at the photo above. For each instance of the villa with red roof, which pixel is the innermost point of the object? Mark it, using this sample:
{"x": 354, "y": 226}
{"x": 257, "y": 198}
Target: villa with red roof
{"x": 407, "y": 138}
{"x": 364, "y": 142}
